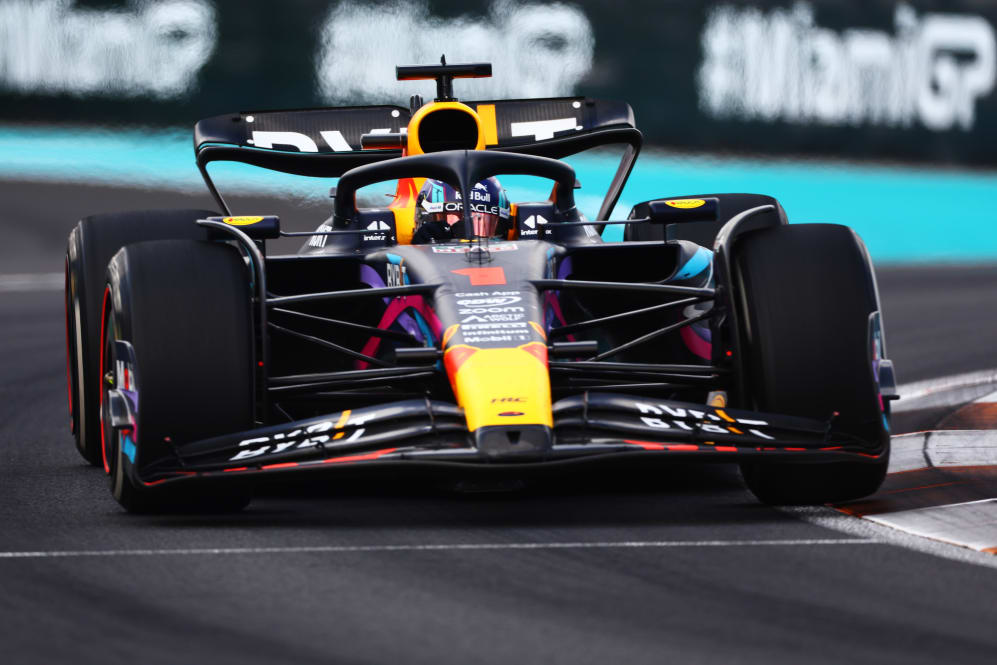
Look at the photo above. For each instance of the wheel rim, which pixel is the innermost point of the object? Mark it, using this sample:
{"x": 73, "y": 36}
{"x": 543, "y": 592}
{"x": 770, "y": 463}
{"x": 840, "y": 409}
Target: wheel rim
{"x": 118, "y": 374}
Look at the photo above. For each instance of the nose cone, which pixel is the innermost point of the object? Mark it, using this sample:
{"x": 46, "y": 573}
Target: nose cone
{"x": 501, "y": 387}
{"x": 495, "y": 341}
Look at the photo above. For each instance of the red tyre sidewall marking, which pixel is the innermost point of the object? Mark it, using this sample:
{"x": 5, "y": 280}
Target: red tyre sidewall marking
{"x": 100, "y": 377}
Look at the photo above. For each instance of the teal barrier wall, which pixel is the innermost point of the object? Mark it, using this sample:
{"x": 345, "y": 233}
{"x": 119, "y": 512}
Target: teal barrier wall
{"x": 904, "y": 214}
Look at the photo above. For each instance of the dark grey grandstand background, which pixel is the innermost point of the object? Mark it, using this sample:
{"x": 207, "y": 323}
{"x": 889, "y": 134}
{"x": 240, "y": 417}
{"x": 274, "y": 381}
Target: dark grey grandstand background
{"x": 877, "y": 79}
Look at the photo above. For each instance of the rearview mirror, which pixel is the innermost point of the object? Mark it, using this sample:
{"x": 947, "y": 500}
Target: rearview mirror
{"x": 677, "y": 211}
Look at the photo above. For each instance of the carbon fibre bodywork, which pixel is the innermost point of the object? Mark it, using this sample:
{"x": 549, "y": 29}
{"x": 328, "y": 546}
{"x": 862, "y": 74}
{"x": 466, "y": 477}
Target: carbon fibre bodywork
{"x": 541, "y": 347}
{"x": 348, "y": 393}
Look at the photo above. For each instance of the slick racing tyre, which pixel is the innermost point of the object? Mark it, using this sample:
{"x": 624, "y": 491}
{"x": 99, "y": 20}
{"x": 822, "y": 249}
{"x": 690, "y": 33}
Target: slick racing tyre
{"x": 92, "y": 243}
{"x": 806, "y": 294}
{"x": 176, "y": 338}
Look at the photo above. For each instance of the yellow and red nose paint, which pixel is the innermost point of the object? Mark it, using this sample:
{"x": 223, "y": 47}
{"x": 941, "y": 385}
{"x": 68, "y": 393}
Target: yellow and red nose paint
{"x": 508, "y": 386}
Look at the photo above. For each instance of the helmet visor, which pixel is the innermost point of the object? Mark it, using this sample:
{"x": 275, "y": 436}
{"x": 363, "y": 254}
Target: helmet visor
{"x": 485, "y": 224}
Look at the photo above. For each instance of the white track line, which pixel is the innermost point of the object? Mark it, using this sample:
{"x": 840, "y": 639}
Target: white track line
{"x": 39, "y": 281}
{"x": 456, "y": 547}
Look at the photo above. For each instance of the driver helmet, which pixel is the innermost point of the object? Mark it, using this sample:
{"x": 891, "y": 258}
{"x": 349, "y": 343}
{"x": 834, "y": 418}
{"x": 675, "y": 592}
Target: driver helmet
{"x": 439, "y": 211}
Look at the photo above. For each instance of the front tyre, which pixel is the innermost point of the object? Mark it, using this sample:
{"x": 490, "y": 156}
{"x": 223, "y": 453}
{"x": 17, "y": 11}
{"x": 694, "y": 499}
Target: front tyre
{"x": 176, "y": 342}
{"x": 806, "y": 295}
{"x": 91, "y": 244}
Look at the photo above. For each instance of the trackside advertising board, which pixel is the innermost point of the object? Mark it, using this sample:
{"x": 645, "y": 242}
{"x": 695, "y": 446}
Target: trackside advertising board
{"x": 911, "y": 81}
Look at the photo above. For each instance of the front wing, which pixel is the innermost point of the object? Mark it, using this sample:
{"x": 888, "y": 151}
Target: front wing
{"x": 589, "y": 427}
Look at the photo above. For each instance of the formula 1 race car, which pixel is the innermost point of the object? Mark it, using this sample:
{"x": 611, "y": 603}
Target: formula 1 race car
{"x": 460, "y": 332}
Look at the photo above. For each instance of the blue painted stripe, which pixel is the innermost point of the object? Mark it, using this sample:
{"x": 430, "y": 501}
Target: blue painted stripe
{"x": 427, "y": 333}
{"x": 903, "y": 214}
{"x": 128, "y": 447}
{"x": 696, "y": 264}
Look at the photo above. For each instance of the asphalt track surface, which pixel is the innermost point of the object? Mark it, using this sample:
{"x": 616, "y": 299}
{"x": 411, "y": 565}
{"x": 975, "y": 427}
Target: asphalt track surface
{"x": 686, "y": 567}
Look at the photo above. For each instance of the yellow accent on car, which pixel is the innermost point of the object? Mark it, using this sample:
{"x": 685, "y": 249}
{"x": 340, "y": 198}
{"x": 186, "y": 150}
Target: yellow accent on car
{"x": 723, "y": 414}
{"x": 540, "y": 331}
{"x": 486, "y": 116}
{"x": 448, "y": 333}
{"x": 414, "y": 148}
{"x": 403, "y": 208}
{"x": 241, "y": 221}
{"x": 404, "y": 224}
{"x": 685, "y": 204}
{"x": 511, "y": 381}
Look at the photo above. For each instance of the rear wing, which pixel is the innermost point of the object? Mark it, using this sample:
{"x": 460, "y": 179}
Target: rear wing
{"x": 326, "y": 142}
